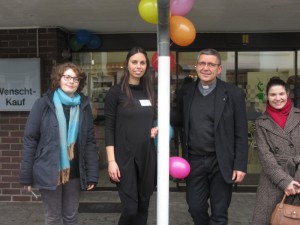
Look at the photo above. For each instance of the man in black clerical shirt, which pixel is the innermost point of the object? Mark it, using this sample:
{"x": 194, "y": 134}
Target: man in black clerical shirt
{"x": 213, "y": 116}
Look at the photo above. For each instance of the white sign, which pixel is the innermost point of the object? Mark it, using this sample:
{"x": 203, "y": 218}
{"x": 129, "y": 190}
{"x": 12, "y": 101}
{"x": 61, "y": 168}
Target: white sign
{"x": 19, "y": 83}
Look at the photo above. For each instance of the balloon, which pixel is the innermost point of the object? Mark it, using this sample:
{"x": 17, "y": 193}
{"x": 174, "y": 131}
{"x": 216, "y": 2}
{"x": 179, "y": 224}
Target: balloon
{"x": 95, "y": 42}
{"x": 148, "y": 11}
{"x": 181, "y": 7}
{"x": 170, "y": 134}
{"x": 83, "y": 36}
{"x": 172, "y": 61}
{"x": 178, "y": 167}
{"x": 74, "y": 45}
{"x": 182, "y": 31}
{"x": 177, "y": 69}
{"x": 154, "y": 61}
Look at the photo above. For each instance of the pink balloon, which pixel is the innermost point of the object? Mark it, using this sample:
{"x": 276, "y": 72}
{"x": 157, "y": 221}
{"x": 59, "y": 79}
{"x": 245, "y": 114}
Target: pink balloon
{"x": 181, "y": 7}
{"x": 179, "y": 168}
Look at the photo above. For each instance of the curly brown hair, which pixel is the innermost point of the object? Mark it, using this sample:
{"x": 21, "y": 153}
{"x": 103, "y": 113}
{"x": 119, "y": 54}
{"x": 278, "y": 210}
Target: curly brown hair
{"x": 58, "y": 71}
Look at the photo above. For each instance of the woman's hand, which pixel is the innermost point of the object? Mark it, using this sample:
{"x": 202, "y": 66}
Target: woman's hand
{"x": 293, "y": 188}
{"x": 29, "y": 188}
{"x": 154, "y": 132}
{"x": 113, "y": 171}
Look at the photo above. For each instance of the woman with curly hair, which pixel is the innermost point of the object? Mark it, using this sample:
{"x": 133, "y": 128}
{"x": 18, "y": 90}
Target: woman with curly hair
{"x": 59, "y": 151}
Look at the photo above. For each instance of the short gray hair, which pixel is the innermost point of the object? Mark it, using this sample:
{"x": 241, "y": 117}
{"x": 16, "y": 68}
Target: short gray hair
{"x": 210, "y": 51}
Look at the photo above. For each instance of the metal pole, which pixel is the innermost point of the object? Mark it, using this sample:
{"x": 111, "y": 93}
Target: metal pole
{"x": 163, "y": 45}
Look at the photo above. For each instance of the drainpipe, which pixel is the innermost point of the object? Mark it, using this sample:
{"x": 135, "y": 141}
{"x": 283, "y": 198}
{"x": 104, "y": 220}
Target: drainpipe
{"x": 37, "y": 43}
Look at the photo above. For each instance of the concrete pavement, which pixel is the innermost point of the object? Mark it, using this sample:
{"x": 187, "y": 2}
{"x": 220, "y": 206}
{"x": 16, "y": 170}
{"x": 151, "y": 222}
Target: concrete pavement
{"x": 24, "y": 213}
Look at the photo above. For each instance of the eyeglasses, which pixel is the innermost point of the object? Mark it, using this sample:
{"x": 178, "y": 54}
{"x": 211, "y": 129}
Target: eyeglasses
{"x": 69, "y": 78}
{"x": 209, "y": 65}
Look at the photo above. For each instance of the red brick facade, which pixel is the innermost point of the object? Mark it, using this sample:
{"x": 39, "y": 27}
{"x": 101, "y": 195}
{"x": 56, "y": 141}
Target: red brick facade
{"x": 46, "y": 44}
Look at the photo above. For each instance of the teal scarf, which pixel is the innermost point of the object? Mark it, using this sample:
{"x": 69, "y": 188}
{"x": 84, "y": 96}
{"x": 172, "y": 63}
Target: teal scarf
{"x": 68, "y": 136}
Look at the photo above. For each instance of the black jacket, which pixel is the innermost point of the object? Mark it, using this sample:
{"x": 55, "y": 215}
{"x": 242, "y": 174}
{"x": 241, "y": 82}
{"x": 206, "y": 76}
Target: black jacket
{"x": 231, "y": 138}
{"x": 39, "y": 166}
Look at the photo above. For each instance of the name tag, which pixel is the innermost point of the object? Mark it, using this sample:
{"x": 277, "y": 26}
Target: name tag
{"x": 145, "y": 102}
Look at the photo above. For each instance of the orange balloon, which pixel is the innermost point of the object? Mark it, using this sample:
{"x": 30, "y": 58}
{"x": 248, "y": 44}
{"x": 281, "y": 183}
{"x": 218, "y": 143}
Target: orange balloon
{"x": 182, "y": 31}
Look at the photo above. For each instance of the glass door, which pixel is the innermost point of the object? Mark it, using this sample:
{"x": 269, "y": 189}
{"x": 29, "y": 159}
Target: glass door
{"x": 254, "y": 71}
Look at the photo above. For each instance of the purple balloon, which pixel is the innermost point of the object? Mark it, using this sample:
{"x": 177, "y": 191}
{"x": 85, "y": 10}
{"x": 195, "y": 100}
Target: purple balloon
{"x": 179, "y": 168}
{"x": 181, "y": 7}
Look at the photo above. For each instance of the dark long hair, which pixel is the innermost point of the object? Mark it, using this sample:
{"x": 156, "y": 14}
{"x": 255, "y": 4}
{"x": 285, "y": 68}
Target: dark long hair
{"x": 146, "y": 81}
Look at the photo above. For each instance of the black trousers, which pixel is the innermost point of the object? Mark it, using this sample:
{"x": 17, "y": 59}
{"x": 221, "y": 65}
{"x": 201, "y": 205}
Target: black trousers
{"x": 133, "y": 212}
{"x": 204, "y": 183}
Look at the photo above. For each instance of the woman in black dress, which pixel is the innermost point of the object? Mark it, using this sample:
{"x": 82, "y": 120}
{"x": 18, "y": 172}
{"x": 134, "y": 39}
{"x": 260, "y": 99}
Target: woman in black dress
{"x": 129, "y": 115}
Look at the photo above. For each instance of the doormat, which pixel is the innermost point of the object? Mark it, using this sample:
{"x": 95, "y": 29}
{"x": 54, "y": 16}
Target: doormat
{"x": 99, "y": 207}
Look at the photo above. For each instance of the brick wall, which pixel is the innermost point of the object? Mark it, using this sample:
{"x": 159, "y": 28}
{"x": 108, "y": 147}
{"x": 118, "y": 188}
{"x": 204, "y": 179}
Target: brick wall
{"x": 46, "y": 44}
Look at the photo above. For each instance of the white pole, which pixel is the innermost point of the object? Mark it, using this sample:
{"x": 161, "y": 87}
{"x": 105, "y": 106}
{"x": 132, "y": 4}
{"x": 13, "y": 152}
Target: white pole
{"x": 163, "y": 140}
{"x": 163, "y": 43}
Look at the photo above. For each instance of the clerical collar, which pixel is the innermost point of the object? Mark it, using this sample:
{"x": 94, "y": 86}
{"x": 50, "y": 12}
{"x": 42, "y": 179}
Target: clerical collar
{"x": 206, "y": 89}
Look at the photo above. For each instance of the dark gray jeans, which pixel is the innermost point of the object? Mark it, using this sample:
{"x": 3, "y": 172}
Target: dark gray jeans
{"x": 62, "y": 204}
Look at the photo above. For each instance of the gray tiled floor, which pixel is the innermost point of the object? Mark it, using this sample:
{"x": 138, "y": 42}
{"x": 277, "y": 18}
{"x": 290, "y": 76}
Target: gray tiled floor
{"x": 240, "y": 211}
